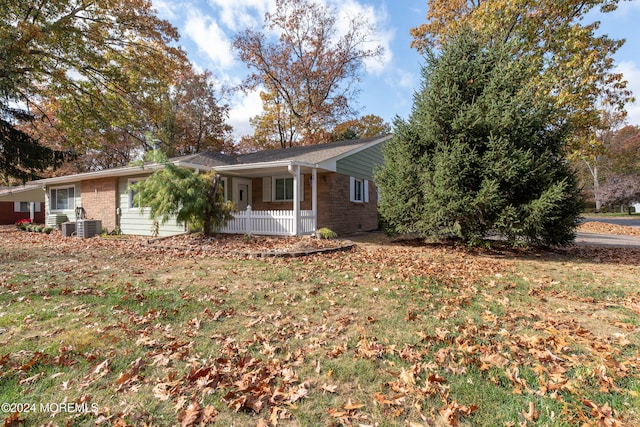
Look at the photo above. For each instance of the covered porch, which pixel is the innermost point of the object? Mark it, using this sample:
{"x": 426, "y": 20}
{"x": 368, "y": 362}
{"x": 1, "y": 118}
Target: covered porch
{"x": 270, "y": 197}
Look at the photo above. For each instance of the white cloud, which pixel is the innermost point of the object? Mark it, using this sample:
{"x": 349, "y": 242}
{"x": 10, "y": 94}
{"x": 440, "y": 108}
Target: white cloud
{"x": 210, "y": 38}
{"x": 236, "y": 15}
{"x": 631, "y": 72}
{"x": 243, "y": 107}
{"x": 378, "y": 18}
{"x": 165, "y": 9}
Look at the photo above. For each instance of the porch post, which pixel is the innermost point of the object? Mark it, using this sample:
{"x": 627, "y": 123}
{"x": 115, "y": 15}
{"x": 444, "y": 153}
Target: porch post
{"x": 248, "y": 229}
{"x": 314, "y": 197}
{"x": 295, "y": 171}
{"x": 32, "y": 211}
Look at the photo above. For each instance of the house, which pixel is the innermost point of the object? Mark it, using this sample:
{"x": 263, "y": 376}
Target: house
{"x": 21, "y": 202}
{"x": 291, "y": 191}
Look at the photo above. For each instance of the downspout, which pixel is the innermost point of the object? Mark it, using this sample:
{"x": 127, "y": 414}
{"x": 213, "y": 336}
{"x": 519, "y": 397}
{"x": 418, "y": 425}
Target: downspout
{"x": 296, "y": 197}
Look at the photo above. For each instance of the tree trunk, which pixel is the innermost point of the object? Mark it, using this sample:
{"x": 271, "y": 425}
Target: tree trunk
{"x": 596, "y": 188}
{"x": 211, "y": 201}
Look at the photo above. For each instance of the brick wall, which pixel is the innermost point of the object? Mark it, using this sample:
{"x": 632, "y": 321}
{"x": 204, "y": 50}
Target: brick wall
{"x": 258, "y": 205}
{"x": 8, "y": 216}
{"x": 337, "y": 212}
{"x": 99, "y": 200}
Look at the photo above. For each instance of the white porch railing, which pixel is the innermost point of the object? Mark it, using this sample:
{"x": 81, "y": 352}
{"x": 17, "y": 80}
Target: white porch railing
{"x": 271, "y": 222}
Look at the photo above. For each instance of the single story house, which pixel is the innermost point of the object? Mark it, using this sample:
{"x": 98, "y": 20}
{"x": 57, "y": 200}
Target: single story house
{"x": 291, "y": 191}
{"x": 21, "y": 202}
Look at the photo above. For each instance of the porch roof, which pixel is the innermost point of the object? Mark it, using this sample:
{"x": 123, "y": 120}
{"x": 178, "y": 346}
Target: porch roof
{"x": 22, "y": 193}
{"x": 256, "y": 170}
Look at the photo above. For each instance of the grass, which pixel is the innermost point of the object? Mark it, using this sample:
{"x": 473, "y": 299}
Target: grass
{"x": 387, "y": 334}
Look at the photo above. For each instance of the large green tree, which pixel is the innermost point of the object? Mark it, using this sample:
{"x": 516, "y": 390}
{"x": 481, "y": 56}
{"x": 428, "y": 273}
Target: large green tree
{"x": 578, "y": 70}
{"x": 483, "y": 150}
{"x": 84, "y": 57}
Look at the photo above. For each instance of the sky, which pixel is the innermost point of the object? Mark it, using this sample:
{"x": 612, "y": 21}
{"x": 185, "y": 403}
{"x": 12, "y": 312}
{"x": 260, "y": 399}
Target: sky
{"x": 387, "y": 86}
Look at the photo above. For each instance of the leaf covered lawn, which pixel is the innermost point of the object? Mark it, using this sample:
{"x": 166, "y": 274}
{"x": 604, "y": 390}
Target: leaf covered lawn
{"x": 115, "y": 332}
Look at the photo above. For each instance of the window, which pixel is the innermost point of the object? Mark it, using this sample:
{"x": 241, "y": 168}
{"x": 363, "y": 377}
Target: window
{"x": 283, "y": 189}
{"x": 280, "y": 188}
{"x": 223, "y": 188}
{"x": 25, "y": 207}
{"x": 358, "y": 190}
{"x": 134, "y": 199}
{"x": 62, "y": 198}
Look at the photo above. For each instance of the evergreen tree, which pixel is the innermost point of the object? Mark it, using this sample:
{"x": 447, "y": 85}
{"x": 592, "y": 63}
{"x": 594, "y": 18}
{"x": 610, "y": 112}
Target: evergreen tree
{"x": 22, "y": 157}
{"x": 480, "y": 152}
{"x": 192, "y": 198}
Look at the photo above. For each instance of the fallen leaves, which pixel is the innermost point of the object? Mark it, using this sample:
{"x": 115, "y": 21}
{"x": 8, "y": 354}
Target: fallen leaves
{"x": 269, "y": 342}
{"x": 453, "y": 411}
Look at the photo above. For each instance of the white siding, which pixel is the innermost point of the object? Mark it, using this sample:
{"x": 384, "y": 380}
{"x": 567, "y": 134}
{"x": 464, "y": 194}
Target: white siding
{"x": 137, "y": 221}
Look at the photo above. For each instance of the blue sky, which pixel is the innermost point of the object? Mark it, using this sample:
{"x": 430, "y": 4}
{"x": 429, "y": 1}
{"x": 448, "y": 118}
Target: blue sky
{"x": 387, "y": 86}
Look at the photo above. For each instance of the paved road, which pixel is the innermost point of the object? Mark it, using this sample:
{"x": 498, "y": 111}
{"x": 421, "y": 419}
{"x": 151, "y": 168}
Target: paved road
{"x": 607, "y": 240}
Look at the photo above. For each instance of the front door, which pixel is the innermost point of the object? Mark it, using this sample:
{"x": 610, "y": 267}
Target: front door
{"x": 243, "y": 196}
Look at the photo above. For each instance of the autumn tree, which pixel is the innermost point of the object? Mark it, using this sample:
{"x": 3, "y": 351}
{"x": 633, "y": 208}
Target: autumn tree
{"x": 624, "y": 150}
{"x": 620, "y": 189}
{"x": 363, "y": 127}
{"x": 593, "y": 153}
{"x": 194, "y": 118}
{"x": 610, "y": 163}
{"x": 481, "y": 151}
{"x": 578, "y": 64}
{"x": 276, "y": 127}
{"x": 87, "y": 56}
{"x": 309, "y": 74}
{"x": 621, "y": 175}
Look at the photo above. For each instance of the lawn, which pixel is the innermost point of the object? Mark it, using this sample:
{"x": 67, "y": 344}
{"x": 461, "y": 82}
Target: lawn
{"x": 115, "y": 332}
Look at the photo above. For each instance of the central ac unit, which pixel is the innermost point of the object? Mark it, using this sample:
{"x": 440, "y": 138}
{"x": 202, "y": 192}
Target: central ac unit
{"x": 86, "y": 228}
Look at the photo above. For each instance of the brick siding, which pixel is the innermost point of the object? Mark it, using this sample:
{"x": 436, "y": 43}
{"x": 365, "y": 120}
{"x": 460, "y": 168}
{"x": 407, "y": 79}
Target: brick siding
{"x": 258, "y": 205}
{"x": 337, "y": 212}
{"x": 99, "y": 200}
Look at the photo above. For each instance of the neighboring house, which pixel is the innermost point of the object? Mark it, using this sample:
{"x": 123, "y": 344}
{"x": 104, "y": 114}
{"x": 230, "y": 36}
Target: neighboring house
{"x": 291, "y": 191}
{"x": 21, "y": 202}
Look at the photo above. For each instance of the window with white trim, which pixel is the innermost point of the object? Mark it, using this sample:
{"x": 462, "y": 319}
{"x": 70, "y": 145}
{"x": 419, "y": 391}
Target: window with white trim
{"x": 62, "y": 198}
{"x": 25, "y": 207}
{"x": 282, "y": 189}
{"x": 223, "y": 187}
{"x": 358, "y": 190}
{"x": 134, "y": 197}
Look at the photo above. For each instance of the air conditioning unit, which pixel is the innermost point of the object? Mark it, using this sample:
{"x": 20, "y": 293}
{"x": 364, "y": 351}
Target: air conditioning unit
{"x": 86, "y": 228}
{"x": 68, "y": 228}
